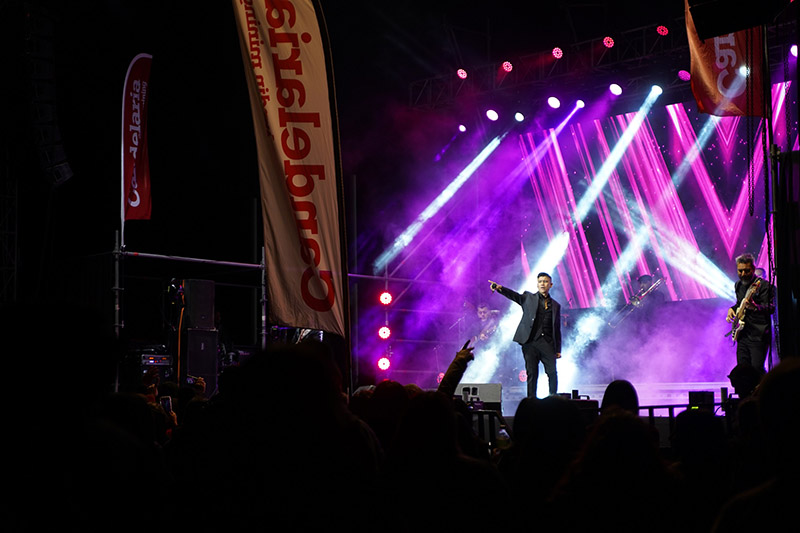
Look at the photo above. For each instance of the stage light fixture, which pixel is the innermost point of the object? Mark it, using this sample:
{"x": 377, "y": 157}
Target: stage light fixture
{"x": 439, "y": 377}
{"x": 793, "y": 50}
{"x": 554, "y": 102}
{"x": 492, "y": 115}
{"x": 385, "y": 298}
{"x": 523, "y": 376}
{"x": 384, "y": 363}
{"x": 461, "y": 73}
{"x": 656, "y": 90}
{"x": 507, "y": 66}
{"x": 558, "y": 53}
{"x": 662, "y": 30}
{"x": 580, "y": 104}
{"x": 519, "y": 117}
{"x": 608, "y": 42}
{"x": 615, "y": 89}
{"x": 744, "y": 70}
{"x": 384, "y": 333}
{"x": 684, "y": 75}
{"x": 462, "y": 128}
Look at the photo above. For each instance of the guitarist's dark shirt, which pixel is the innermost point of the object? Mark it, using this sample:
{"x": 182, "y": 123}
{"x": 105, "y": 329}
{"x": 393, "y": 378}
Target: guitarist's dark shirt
{"x": 756, "y": 321}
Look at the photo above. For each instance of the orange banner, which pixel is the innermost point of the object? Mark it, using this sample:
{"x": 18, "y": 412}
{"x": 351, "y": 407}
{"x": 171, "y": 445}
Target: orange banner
{"x": 290, "y": 96}
{"x": 727, "y": 71}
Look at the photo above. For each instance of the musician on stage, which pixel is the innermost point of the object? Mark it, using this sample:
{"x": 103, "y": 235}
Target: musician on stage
{"x": 755, "y": 336}
{"x": 649, "y": 302}
{"x": 539, "y": 331}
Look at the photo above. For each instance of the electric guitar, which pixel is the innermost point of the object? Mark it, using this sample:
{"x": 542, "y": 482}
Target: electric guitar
{"x": 738, "y": 321}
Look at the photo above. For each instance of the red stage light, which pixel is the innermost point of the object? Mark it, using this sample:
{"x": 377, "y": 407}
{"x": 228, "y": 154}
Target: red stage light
{"x": 439, "y": 377}
{"x": 462, "y": 73}
{"x": 385, "y": 298}
{"x": 662, "y": 30}
{"x": 384, "y": 332}
{"x": 523, "y": 376}
{"x": 384, "y": 363}
{"x": 608, "y": 42}
{"x": 558, "y": 53}
{"x": 684, "y": 75}
{"x": 507, "y": 66}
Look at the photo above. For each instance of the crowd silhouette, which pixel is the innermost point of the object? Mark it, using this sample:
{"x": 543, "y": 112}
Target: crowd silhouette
{"x": 280, "y": 444}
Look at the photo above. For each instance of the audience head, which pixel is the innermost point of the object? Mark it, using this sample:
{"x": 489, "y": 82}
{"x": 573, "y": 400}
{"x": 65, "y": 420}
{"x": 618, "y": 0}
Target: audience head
{"x": 744, "y": 379}
{"x": 621, "y": 394}
{"x": 779, "y": 410}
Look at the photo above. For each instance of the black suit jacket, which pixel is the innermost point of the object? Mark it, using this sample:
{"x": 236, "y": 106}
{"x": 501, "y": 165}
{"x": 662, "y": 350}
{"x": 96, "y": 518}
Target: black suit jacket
{"x": 530, "y": 305}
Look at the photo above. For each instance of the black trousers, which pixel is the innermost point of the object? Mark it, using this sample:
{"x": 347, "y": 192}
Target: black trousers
{"x": 534, "y": 351}
{"x": 752, "y": 349}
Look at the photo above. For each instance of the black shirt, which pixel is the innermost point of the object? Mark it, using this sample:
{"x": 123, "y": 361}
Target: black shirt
{"x": 543, "y": 323}
{"x": 756, "y": 320}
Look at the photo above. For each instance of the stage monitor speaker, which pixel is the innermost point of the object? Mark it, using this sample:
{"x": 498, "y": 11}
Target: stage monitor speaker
{"x": 589, "y": 409}
{"x": 201, "y": 357}
{"x": 490, "y": 395}
{"x": 199, "y": 295}
{"x": 701, "y": 400}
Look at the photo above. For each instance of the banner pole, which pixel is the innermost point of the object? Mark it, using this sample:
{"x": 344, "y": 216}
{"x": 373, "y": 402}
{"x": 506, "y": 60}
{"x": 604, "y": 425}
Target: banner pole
{"x": 117, "y": 300}
{"x": 263, "y": 298}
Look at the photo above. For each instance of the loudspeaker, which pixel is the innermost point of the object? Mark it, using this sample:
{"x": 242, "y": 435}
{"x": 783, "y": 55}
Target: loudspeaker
{"x": 40, "y": 55}
{"x": 701, "y": 400}
{"x": 201, "y": 357}
{"x": 589, "y": 409}
{"x": 199, "y": 294}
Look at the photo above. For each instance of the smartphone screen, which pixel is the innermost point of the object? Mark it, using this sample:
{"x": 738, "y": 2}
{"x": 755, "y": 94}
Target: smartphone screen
{"x": 166, "y": 403}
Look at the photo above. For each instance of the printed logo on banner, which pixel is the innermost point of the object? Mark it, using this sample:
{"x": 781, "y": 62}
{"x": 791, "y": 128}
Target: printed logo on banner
{"x": 288, "y": 84}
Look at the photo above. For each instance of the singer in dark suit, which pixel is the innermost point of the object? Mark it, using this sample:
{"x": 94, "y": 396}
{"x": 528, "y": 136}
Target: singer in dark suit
{"x": 539, "y": 331}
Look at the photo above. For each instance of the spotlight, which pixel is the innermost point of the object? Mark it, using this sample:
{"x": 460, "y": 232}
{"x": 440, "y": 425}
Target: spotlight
{"x": 492, "y": 115}
{"x": 384, "y": 333}
{"x": 554, "y": 102}
{"x": 608, "y": 42}
{"x": 507, "y": 66}
{"x": 655, "y": 89}
{"x": 580, "y": 104}
{"x": 684, "y": 75}
{"x": 462, "y": 73}
{"x": 744, "y": 71}
{"x": 385, "y": 298}
{"x": 615, "y": 89}
{"x": 662, "y": 30}
{"x": 384, "y": 363}
{"x": 558, "y": 53}
{"x": 523, "y": 376}
{"x": 519, "y": 117}
{"x": 793, "y": 50}
{"x": 462, "y": 128}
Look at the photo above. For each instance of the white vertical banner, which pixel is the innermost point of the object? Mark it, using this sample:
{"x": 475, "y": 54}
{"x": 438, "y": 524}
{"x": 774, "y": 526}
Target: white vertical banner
{"x": 284, "y": 56}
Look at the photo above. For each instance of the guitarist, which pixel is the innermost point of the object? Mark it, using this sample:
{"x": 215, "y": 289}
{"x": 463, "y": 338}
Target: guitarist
{"x": 755, "y": 337}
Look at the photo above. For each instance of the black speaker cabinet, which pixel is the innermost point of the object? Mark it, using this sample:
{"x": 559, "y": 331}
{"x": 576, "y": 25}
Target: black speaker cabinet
{"x": 201, "y": 356}
{"x": 199, "y": 294}
{"x": 589, "y": 410}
